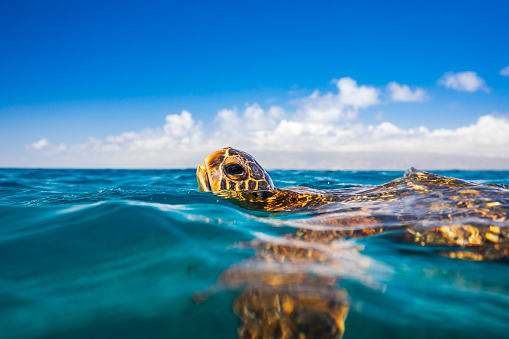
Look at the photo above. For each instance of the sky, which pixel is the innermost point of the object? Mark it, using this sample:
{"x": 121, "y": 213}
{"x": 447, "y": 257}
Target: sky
{"x": 311, "y": 85}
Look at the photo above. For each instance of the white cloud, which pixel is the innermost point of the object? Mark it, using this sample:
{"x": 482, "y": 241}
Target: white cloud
{"x": 179, "y": 133}
{"x": 179, "y": 125}
{"x": 403, "y": 93}
{"x": 61, "y": 148}
{"x": 505, "y": 71}
{"x": 463, "y": 81}
{"x": 40, "y": 144}
{"x": 344, "y": 105}
{"x": 322, "y": 132}
{"x": 356, "y": 96}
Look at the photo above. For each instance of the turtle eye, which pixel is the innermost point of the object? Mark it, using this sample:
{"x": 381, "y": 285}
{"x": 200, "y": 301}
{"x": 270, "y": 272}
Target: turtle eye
{"x": 234, "y": 169}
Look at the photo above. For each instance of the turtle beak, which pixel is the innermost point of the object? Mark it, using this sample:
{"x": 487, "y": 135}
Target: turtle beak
{"x": 203, "y": 179}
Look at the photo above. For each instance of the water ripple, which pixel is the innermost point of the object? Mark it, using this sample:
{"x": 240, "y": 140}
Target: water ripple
{"x": 123, "y": 253}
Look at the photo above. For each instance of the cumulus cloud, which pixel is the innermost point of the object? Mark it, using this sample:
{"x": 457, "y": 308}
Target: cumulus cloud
{"x": 505, "y": 71}
{"x": 344, "y": 105}
{"x": 356, "y": 96}
{"x": 322, "y": 132}
{"x": 40, "y": 144}
{"x": 403, "y": 93}
{"x": 178, "y": 137}
{"x": 463, "y": 81}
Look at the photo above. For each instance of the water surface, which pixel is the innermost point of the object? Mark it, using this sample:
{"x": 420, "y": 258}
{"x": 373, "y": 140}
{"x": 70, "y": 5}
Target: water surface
{"x": 123, "y": 253}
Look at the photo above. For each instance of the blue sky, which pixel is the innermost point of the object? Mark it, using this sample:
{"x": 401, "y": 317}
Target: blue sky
{"x": 74, "y": 70}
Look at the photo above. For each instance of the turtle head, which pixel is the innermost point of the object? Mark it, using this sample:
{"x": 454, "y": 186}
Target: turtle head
{"x": 232, "y": 169}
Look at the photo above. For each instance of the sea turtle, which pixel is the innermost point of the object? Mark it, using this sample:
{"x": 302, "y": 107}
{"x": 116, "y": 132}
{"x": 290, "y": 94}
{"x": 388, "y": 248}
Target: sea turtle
{"x": 463, "y": 219}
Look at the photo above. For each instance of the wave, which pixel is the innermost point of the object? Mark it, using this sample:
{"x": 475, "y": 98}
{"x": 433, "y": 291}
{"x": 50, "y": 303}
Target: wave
{"x": 107, "y": 253}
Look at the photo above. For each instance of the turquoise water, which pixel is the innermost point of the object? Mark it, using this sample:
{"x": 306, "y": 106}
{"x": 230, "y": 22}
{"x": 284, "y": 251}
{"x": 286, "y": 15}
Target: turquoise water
{"x": 123, "y": 253}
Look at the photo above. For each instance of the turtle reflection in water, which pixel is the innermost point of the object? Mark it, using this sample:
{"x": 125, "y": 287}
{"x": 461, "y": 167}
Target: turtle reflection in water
{"x": 284, "y": 297}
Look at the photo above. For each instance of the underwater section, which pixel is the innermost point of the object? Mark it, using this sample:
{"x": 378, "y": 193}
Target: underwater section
{"x": 142, "y": 253}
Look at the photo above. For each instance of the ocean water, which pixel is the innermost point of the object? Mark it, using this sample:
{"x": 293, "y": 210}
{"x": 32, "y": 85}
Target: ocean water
{"x": 138, "y": 254}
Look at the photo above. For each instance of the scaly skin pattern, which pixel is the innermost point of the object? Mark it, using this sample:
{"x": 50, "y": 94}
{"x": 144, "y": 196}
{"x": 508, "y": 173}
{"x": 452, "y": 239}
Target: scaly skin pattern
{"x": 214, "y": 177}
{"x": 281, "y": 300}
